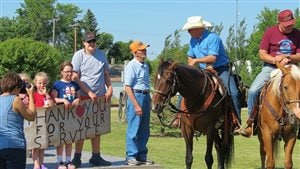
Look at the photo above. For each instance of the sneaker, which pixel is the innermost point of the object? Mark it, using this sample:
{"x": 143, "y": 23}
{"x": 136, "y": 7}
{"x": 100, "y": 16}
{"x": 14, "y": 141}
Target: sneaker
{"x": 99, "y": 161}
{"x": 147, "y": 162}
{"x": 43, "y": 166}
{"x": 61, "y": 165}
{"x": 70, "y": 165}
{"x": 76, "y": 162}
{"x": 133, "y": 161}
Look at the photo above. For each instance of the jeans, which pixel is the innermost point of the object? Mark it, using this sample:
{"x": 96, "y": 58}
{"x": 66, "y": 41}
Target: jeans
{"x": 138, "y": 130}
{"x": 257, "y": 85}
{"x": 12, "y": 158}
{"x": 223, "y": 73}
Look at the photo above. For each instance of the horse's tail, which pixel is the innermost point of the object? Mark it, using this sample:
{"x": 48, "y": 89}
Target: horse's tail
{"x": 228, "y": 140}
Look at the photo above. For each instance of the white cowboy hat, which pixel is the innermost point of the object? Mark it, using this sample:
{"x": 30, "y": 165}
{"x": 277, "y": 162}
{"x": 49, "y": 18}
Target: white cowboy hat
{"x": 195, "y": 22}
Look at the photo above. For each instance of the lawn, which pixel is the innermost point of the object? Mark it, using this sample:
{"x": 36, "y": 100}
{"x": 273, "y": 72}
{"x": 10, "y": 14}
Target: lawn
{"x": 169, "y": 152}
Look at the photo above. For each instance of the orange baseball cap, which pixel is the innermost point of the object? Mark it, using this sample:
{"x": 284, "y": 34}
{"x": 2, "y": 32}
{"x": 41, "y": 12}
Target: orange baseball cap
{"x": 137, "y": 45}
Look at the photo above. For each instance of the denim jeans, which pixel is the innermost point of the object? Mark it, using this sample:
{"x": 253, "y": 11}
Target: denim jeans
{"x": 223, "y": 73}
{"x": 138, "y": 130}
{"x": 257, "y": 85}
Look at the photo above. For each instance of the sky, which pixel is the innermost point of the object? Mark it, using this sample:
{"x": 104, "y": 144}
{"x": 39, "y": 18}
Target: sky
{"x": 151, "y": 21}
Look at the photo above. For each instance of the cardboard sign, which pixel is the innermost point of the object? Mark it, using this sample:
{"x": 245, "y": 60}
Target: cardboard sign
{"x": 57, "y": 125}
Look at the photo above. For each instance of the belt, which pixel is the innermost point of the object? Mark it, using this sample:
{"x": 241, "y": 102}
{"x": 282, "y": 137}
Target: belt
{"x": 140, "y": 91}
{"x": 225, "y": 65}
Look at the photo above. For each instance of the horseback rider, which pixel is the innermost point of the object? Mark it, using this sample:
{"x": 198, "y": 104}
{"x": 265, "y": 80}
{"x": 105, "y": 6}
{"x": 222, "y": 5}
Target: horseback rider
{"x": 207, "y": 50}
{"x": 280, "y": 43}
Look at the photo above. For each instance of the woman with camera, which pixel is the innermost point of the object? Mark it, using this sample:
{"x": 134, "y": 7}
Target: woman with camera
{"x": 12, "y": 115}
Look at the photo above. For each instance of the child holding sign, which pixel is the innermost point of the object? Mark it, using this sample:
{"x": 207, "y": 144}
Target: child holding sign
{"x": 41, "y": 99}
{"x": 65, "y": 91}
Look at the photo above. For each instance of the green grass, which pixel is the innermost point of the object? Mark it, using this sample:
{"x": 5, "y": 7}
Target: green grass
{"x": 169, "y": 152}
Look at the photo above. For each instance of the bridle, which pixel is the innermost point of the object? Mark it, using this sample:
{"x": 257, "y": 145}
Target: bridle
{"x": 170, "y": 90}
{"x": 288, "y": 115}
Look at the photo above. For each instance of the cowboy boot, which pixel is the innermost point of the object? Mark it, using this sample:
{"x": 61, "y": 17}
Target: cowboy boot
{"x": 248, "y": 130}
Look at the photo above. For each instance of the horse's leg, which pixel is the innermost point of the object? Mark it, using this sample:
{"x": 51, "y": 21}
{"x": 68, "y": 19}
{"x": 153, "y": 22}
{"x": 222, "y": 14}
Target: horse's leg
{"x": 268, "y": 144}
{"x": 209, "y": 145}
{"x": 220, "y": 151}
{"x": 262, "y": 151}
{"x": 288, "y": 149}
{"x": 188, "y": 134}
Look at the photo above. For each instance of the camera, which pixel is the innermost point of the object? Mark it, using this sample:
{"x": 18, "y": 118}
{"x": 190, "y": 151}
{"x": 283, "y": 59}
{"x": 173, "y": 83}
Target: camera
{"x": 24, "y": 86}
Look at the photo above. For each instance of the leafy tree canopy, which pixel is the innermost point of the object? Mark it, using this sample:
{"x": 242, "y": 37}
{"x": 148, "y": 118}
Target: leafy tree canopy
{"x": 30, "y": 56}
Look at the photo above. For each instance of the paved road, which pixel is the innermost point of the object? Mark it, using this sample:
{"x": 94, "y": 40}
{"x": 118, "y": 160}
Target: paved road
{"x": 117, "y": 162}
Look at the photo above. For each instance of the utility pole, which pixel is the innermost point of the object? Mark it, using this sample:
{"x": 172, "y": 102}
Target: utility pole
{"x": 75, "y": 27}
{"x": 53, "y": 30}
{"x": 236, "y": 26}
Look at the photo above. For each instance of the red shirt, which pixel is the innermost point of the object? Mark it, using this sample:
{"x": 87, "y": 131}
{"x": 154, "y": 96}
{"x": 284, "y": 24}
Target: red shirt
{"x": 276, "y": 43}
{"x": 38, "y": 99}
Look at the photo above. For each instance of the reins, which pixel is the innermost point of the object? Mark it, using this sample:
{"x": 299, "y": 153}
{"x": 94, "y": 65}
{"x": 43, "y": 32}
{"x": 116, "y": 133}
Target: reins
{"x": 207, "y": 102}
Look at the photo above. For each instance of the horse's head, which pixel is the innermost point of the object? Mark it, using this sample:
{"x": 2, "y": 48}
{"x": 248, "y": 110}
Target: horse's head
{"x": 286, "y": 86}
{"x": 165, "y": 85}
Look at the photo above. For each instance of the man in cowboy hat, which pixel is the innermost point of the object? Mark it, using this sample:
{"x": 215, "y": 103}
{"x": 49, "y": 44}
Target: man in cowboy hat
{"x": 280, "y": 43}
{"x": 207, "y": 50}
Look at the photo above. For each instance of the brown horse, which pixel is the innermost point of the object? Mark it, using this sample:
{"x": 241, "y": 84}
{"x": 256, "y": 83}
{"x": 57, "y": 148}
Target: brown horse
{"x": 207, "y": 108}
{"x": 279, "y": 101}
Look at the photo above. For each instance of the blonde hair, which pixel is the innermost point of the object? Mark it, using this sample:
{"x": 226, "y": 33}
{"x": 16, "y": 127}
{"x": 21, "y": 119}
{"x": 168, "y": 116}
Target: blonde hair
{"x": 42, "y": 75}
{"x": 25, "y": 77}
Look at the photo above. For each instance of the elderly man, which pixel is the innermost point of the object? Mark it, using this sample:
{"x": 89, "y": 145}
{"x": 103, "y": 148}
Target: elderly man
{"x": 137, "y": 87}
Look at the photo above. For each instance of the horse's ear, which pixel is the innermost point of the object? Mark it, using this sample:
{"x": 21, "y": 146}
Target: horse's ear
{"x": 281, "y": 67}
{"x": 173, "y": 65}
{"x": 161, "y": 60}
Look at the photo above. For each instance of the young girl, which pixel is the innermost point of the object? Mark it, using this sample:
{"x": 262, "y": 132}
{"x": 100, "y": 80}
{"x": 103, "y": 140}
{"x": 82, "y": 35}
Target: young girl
{"x": 65, "y": 91}
{"x": 41, "y": 99}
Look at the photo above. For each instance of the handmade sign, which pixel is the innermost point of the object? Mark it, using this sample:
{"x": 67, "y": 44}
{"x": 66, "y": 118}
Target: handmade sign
{"x": 57, "y": 125}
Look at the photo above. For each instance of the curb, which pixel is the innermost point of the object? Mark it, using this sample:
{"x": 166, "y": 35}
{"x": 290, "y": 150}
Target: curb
{"x": 117, "y": 162}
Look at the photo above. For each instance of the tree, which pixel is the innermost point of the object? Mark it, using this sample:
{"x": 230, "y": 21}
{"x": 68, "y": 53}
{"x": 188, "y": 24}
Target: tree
{"x": 236, "y": 44}
{"x": 30, "y": 56}
{"x": 7, "y": 29}
{"x": 89, "y": 22}
{"x": 120, "y": 51}
{"x": 64, "y": 33}
{"x": 173, "y": 49}
{"x": 105, "y": 41}
{"x": 42, "y": 21}
{"x": 34, "y": 19}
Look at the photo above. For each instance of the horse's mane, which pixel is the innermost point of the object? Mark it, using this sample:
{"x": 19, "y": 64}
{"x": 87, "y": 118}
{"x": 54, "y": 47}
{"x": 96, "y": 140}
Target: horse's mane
{"x": 276, "y": 77}
{"x": 165, "y": 64}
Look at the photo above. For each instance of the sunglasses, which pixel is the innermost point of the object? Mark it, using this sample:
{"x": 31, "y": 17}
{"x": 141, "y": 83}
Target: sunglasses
{"x": 91, "y": 41}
